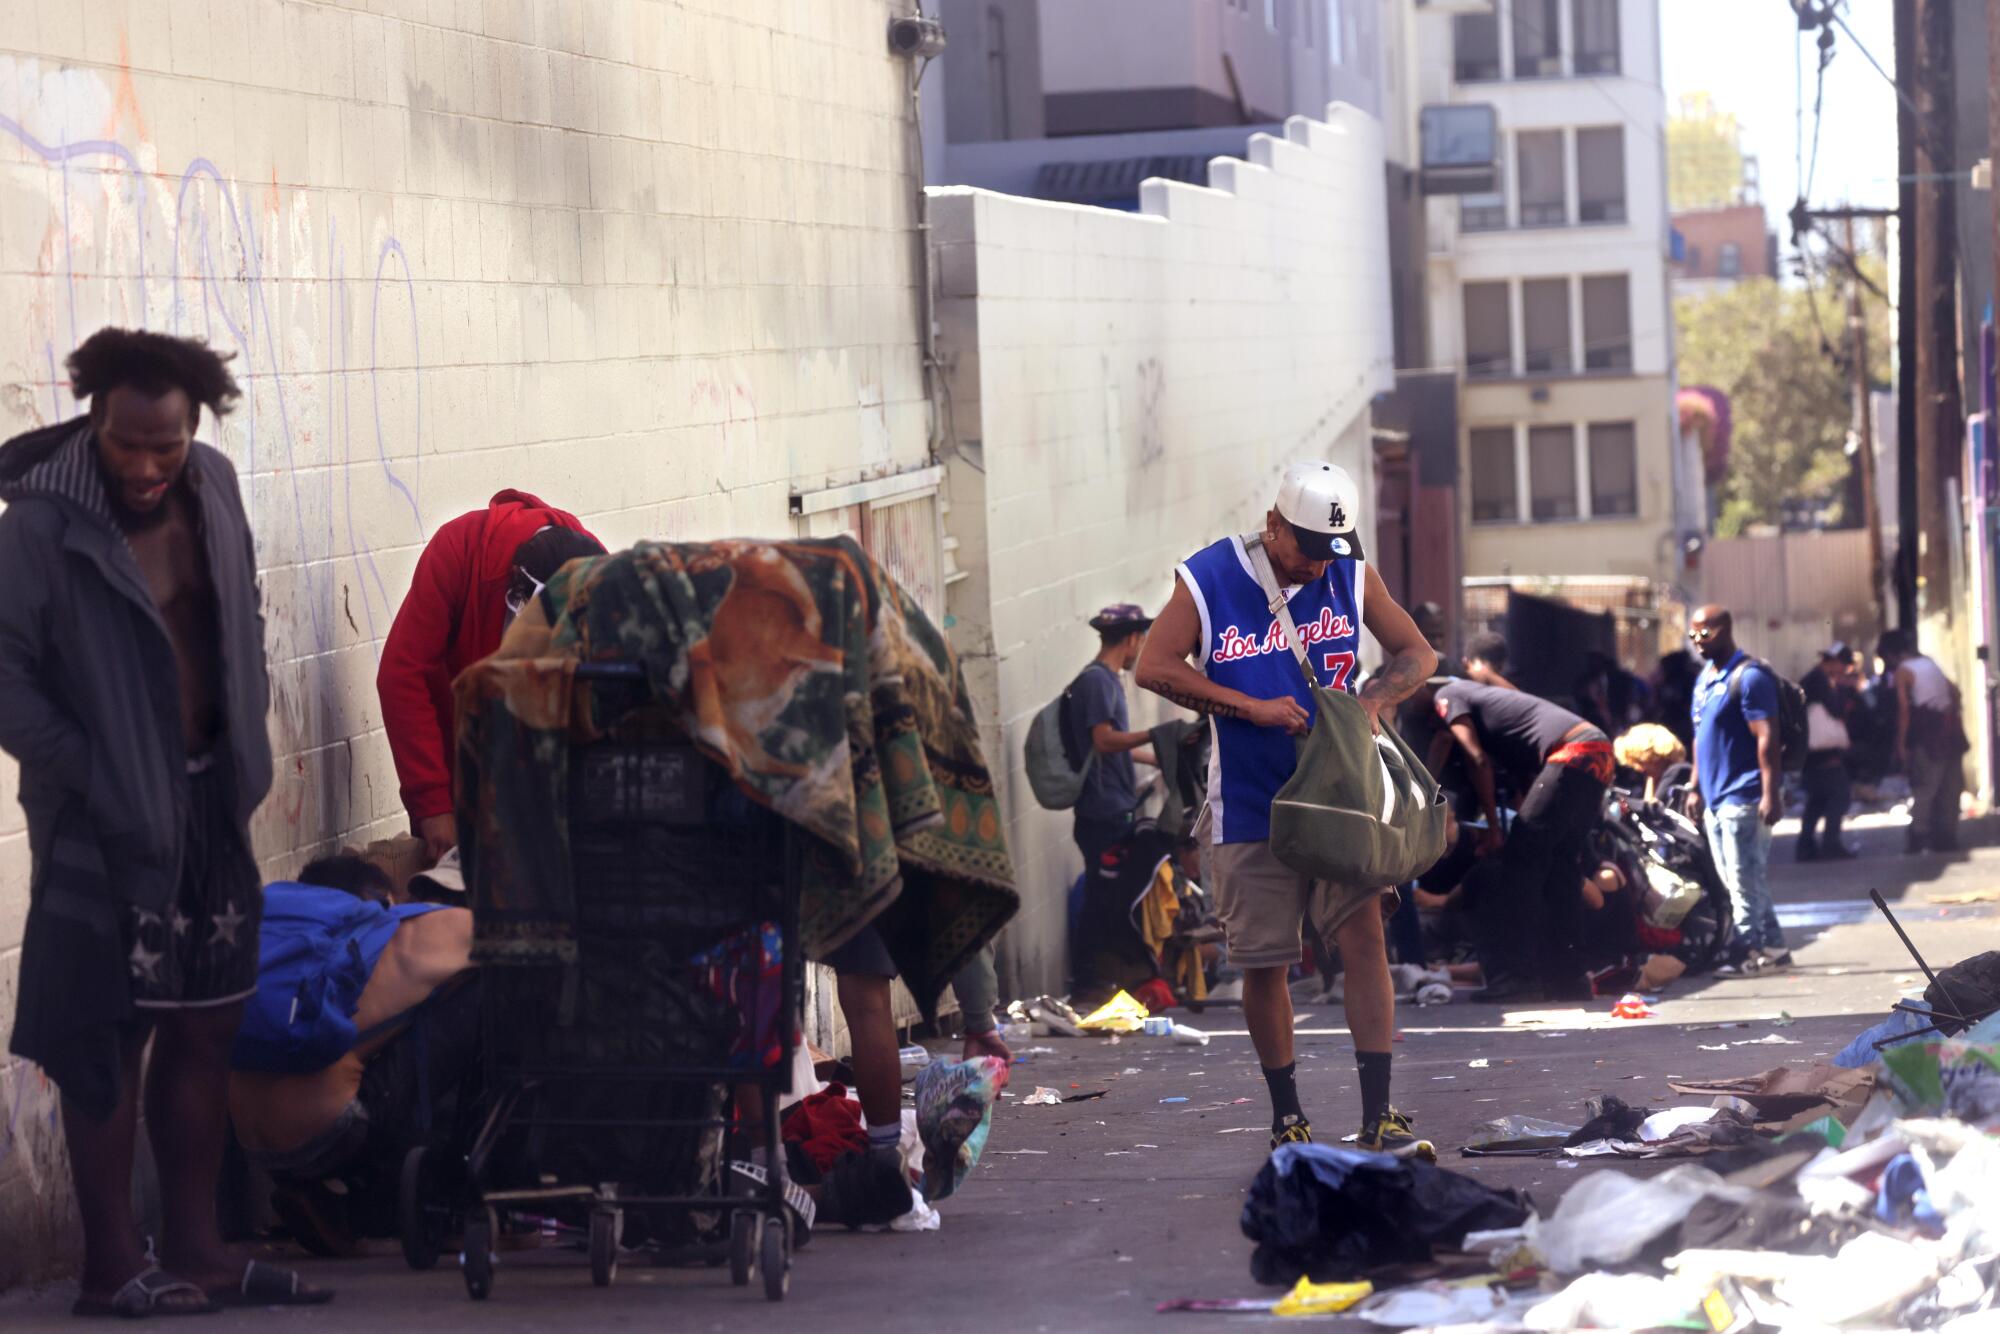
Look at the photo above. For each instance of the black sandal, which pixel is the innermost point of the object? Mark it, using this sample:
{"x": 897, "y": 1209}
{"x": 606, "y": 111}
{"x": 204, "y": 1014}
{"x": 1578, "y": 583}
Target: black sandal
{"x": 268, "y": 1285}
{"x": 141, "y": 1297}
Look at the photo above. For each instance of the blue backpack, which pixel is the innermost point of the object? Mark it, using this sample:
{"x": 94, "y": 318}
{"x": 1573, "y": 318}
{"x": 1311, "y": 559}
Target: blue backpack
{"x": 317, "y": 951}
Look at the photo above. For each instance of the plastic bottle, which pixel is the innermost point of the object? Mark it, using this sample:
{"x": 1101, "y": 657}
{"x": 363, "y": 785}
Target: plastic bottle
{"x": 1191, "y": 1037}
{"x": 914, "y": 1059}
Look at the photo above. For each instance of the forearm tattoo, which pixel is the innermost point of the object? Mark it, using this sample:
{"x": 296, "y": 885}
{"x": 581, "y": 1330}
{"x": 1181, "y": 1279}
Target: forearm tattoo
{"x": 1397, "y": 680}
{"x": 1189, "y": 701}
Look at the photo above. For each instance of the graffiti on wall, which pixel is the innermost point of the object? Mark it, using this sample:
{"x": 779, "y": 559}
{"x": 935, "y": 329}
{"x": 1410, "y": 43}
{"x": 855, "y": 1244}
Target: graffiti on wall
{"x": 323, "y": 327}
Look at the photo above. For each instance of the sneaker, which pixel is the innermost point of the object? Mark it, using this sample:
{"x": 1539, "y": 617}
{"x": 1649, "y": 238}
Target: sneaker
{"x": 1392, "y": 1134}
{"x": 1748, "y": 966}
{"x": 1774, "y": 963}
{"x": 1292, "y": 1130}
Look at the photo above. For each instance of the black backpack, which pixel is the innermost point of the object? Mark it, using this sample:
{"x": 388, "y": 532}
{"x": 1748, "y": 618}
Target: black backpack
{"x": 1792, "y": 729}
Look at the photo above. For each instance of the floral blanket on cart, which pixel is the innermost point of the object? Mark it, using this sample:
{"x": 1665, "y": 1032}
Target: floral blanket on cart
{"x": 807, "y": 673}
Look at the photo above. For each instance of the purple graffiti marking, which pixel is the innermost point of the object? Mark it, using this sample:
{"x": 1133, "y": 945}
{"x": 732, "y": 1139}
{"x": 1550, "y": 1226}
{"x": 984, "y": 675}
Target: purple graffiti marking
{"x": 392, "y": 246}
{"x": 225, "y": 265}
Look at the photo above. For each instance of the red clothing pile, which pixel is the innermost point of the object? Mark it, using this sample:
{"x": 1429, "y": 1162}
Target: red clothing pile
{"x": 454, "y": 615}
{"x": 827, "y": 1126}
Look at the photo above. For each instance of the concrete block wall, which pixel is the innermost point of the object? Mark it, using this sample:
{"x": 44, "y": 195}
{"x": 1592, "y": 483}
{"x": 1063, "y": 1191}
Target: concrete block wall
{"x": 652, "y": 261}
{"x": 1125, "y": 389}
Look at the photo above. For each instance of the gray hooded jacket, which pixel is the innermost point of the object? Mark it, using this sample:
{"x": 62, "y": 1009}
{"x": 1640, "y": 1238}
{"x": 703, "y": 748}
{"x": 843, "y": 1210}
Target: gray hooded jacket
{"x": 90, "y": 706}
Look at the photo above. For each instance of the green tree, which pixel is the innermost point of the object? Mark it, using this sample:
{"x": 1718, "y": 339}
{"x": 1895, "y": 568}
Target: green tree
{"x": 1791, "y": 405}
{"x": 1705, "y": 163}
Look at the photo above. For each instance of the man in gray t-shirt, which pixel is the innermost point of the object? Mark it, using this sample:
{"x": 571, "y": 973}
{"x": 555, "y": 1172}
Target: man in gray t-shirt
{"x": 1098, "y": 722}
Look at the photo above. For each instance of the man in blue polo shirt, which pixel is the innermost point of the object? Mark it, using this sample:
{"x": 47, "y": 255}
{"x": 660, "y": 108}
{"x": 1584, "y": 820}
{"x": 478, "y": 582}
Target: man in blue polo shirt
{"x": 1736, "y": 759}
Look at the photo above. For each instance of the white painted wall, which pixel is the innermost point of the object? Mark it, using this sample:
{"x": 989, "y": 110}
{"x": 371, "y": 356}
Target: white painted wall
{"x": 1124, "y": 390}
{"x": 651, "y": 261}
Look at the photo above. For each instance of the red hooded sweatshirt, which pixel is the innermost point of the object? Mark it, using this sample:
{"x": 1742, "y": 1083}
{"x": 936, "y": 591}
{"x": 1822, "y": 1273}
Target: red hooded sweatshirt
{"x": 454, "y": 616}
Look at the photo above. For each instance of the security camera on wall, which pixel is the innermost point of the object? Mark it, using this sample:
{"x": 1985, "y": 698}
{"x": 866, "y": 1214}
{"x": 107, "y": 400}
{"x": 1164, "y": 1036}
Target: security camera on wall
{"x": 919, "y": 38}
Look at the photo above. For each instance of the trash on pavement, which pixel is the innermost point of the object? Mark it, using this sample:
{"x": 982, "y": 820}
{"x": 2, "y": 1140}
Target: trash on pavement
{"x": 1517, "y": 1136}
{"x": 914, "y": 1059}
{"x": 1042, "y": 1097}
{"x": 1120, "y": 1014}
{"x": 1188, "y": 1036}
{"x": 1617, "y": 1301}
{"x": 1436, "y": 1303}
{"x": 1778, "y": 1095}
{"x": 1607, "y": 1219}
{"x": 1633, "y": 1006}
{"x": 1330, "y": 1213}
{"x": 1768, "y": 1040}
{"x": 1310, "y": 1298}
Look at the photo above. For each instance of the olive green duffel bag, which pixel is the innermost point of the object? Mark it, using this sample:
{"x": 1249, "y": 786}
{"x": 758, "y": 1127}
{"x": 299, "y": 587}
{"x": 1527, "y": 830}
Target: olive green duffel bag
{"x": 1361, "y": 808}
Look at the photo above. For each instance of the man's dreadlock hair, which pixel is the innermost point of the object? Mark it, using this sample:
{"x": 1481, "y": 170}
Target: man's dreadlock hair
{"x": 152, "y": 363}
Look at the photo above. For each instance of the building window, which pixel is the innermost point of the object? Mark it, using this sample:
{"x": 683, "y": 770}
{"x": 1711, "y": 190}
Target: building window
{"x": 1551, "y": 472}
{"x": 1600, "y": 175}
{"x": 1475, "y": 44}
{"x": 1595, "y": 32}
{"x": 998, "y": 110}
{"x": 1729, "y": 260}
{"x": 1614, "y": 470}
{"x": 1486, "y": 211}
{"x": 1545, "y": 326}
{"x": 1538, "y": 39}
{"x": 1494, "y": 495}
{"x": 1538, "y": 156}
{"x": 1607, "y": 323}
{"x": 1489, "y": 340}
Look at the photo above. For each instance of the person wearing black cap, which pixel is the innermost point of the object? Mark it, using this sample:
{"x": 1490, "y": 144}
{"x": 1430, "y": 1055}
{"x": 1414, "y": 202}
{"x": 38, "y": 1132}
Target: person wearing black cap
{"x": 1830, "y": 697}
{"x": 1099, "y": 725}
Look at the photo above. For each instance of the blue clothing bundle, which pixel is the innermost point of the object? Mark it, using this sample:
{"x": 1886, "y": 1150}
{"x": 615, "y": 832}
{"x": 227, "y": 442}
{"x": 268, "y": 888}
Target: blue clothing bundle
{"x": 318, "y": 950}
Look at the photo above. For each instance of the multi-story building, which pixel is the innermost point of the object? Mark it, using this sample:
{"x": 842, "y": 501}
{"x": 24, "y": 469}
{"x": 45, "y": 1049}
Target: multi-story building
{"x": 1080, "y": 102}
{"x": 1717, "y": 248}
{"x": 1547, "y": 282}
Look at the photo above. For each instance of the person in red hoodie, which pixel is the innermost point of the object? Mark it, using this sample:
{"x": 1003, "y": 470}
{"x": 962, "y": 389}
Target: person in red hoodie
{"x": 475, "y": 573}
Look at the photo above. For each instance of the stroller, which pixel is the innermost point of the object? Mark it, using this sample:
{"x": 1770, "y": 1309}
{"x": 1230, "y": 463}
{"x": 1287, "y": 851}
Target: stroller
{"x": 618, "y": 1087}
{"x": 1681, "y": 905}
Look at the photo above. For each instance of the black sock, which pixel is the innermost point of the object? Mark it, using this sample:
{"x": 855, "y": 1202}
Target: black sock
{"x": 1374, "y": 1067}
{"x": 1283, "y": 1083}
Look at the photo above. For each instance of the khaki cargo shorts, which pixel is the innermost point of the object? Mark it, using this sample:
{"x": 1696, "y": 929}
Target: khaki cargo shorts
{"x": 1265, "y": 905}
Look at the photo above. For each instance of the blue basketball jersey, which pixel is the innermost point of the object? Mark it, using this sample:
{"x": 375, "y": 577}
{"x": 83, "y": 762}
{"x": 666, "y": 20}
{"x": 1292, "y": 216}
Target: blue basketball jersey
{"x": 1243, "y": 647}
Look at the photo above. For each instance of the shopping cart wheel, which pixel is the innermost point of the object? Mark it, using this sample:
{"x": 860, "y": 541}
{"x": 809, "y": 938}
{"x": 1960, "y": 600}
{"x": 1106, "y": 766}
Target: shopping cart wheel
{"x": 481, "y": 1228}
{"x": 603, "y": 1247}
{"x": 742, "y": 1248}
{"x": 776, "y": 1260}
{"x": 419, "y": 1220}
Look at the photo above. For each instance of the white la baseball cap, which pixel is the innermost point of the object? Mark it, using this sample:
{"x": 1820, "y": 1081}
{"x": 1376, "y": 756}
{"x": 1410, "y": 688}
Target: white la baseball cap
{"x": 1322, "y": 504}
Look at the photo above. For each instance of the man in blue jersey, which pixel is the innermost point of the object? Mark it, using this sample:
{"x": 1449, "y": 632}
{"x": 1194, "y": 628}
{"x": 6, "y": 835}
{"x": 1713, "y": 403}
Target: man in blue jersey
{"x": 1244, "y": 676}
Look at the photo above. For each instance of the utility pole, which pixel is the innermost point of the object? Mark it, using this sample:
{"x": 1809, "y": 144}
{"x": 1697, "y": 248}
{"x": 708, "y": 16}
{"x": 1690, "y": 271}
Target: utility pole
{"x": 1940, "y": 414}
{"x": 1864, "y": 425}
{"x": 1905, "y": 20}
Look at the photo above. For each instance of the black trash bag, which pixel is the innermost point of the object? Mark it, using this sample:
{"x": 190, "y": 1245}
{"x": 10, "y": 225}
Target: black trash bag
{"x": 1972, "y": 983}
{"x": 1333, "y": 1213}
{"x": 1610, "y": 1118}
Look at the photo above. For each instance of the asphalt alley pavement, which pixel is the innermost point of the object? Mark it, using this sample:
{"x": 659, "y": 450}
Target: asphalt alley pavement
{"x": 1086, "y": 1215}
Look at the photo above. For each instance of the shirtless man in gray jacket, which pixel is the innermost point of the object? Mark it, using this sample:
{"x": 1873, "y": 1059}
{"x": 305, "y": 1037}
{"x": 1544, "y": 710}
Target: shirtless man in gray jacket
{"x": 133, "y": 690}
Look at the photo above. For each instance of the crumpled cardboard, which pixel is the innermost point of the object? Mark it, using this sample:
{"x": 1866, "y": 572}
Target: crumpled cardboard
{"x": 1777, "y": 1098}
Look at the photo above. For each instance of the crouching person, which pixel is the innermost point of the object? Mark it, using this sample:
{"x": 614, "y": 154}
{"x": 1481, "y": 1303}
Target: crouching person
{"x": 363, "y": 1034}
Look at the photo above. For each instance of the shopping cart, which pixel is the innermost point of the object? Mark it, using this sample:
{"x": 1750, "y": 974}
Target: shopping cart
{"x": 621, "y": 1086}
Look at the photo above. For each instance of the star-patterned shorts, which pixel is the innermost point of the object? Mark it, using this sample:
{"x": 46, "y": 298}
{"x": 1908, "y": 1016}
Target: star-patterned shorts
{"x": 203, "y": 949}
